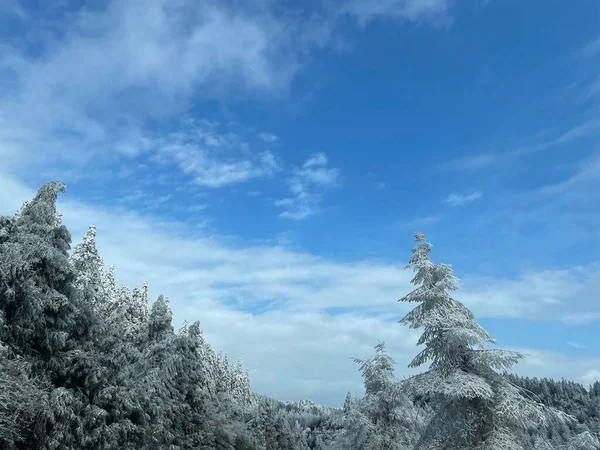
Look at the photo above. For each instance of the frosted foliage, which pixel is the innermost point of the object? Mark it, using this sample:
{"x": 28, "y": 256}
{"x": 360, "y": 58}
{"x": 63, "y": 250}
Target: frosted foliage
{"x": 206, "y": 357}
{"x": 20, "y": 397}
{"x": 583, "y": 441}
{"x": 217, "y": 374}
{"x": 87, "y": 263}
{"x": 185, "y": 329}
{"x": 541, "y": 443}
{"x": 348, "y": 403}
{"x": 384, "y": 418}
{"x": 359, "y": 432}
{"x": 117, "y": 305}
{"x": 378, "y": 373}
{"x": 455, "y": 384}
{"x": 42, "y": 209}
{"x": 494, "y": 358}
{"x": 240, "y": 385}
{"x": 161, "y": 316}
{"x": 475, "y": 407}
{"x": 137, "y": 308}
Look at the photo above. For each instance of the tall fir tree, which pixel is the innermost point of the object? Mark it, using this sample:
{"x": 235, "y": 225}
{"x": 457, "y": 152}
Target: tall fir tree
{"x": 46, "y": 320}
{"x": 476, "y": 407}
{"x": 36, "y": 278}
{"x": 159, "y": 322}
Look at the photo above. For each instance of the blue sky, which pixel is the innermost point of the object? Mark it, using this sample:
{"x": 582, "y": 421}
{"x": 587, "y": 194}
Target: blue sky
{"x": 265, "y": 164}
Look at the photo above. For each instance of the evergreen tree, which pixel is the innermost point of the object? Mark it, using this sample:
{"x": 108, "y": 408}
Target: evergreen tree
{"x": 36, "y": 279}
{"x": 87, "y": 263}
{"x": 185, "y": 329}
{"x": 240, "y": 385}
{"x": 476, "y": 408}
{"x": 348, "y": 403}
{"x": 159, "y": 322}
{"x": 384, "y": 418}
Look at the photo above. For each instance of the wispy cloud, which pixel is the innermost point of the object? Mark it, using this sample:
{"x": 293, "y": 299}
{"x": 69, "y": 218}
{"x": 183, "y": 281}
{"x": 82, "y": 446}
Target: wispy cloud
{"x": 594, "y": 88}
{"x": 584, "y": 181}
{"x": 215, "y": 169}
{"x": 430, "y": 11}
{"x": 592, "y": 48}
{"x": 306, "y": 185}
{"x": 462, "y": 199}
{"x": 486, "y": 160}
{"x": 576, "y": 344}
{"x": 197, "y": 207}
{"x": 268, "y": 137}
{"x": 12, "y": 8}
{"x": 581, "y": 318}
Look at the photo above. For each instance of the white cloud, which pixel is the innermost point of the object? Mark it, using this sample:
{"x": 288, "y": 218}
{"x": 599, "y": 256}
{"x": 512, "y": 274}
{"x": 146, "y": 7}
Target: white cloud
{"x": 306, "y": 185}
{"x": 268, "y": 137}
{"x": 99, "y": 78}
{"x": 421, "y": 11}
{"x": 590, "y": 376}
{"x": 540, "y": 295}
{"x": 212, "y": 170}
{"x": 316, "y": 160}
{"x": 462, "y": 199}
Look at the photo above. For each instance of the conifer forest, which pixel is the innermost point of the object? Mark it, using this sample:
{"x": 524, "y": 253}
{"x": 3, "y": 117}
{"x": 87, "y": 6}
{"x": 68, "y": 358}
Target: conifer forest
{"x": 88, "y": 364}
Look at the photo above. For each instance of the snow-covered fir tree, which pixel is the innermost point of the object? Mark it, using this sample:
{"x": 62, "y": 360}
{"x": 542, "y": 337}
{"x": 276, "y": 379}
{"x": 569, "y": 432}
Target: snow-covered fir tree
{"x": 384, "y": 417}
{"x": 185, "y": 329}
{"x": 87, "y": 263}
{"x": 348, "y": 403}
{"x": 475, "y": 406}
{"x": 113, "y": 303}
